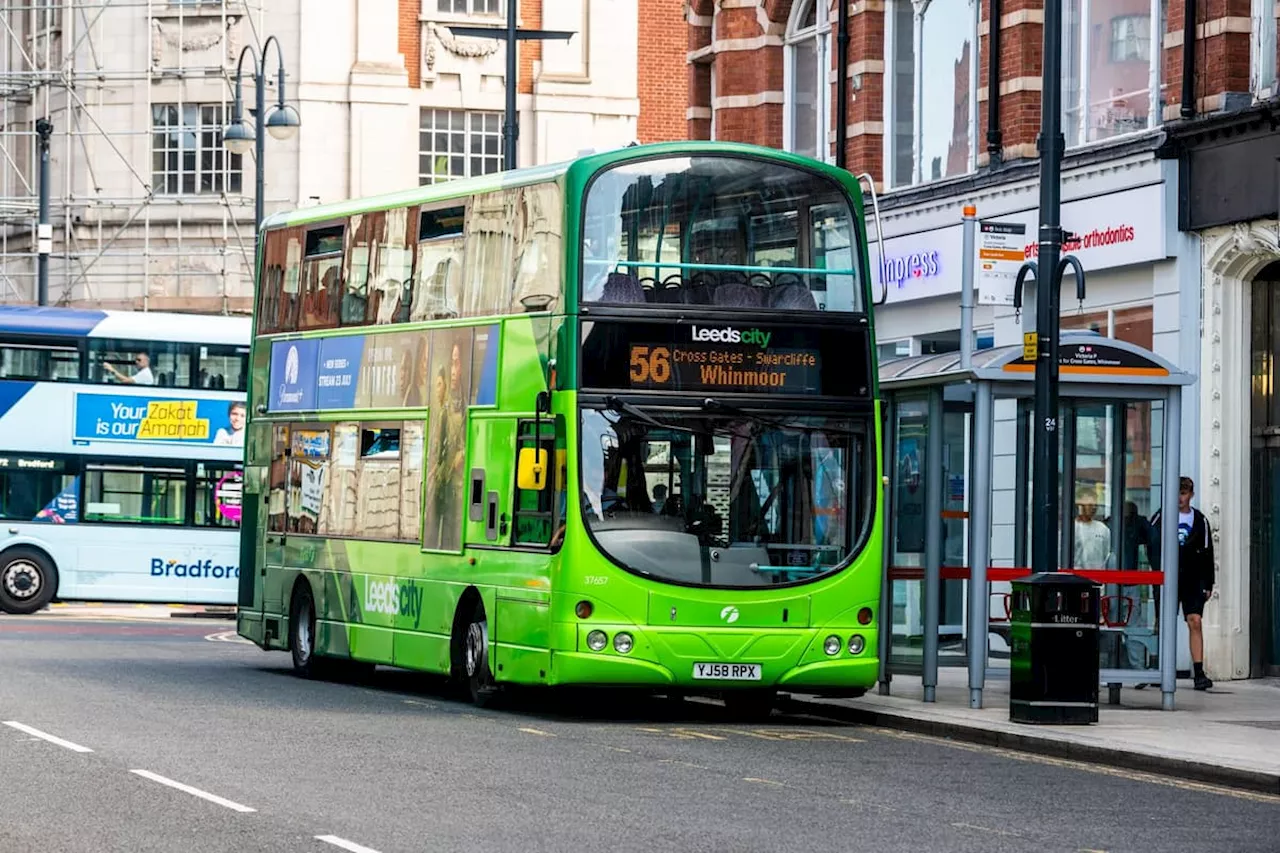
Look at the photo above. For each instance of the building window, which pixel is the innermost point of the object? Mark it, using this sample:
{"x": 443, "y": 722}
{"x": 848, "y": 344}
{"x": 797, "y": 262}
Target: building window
{"x": 1130, "y": 38}
{"x": 470, "y": 7}
{"x": 1262, "y": 49}
{"x": 1113, "y": 91}
{"x": 458, "y": 144}
{"x": 932, "y": 73}
{"x": 808, "y": 67}
{"x": 187, "y": 155}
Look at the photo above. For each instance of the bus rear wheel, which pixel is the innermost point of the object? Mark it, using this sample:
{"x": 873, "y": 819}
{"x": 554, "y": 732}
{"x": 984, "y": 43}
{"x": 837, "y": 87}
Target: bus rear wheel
{"x": 472, "y": 676}
{"x": 302, "y": 633}
{"x": 28, "y": 581}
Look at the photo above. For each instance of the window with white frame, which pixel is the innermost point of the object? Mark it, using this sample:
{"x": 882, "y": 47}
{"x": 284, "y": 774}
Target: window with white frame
{"x": 470, "y": 7}
{"x": 458, "y": 144}
{"x": 1262, "y": 49}
{"x": 1113, "y": 89}
{"x": 187, "y": 155}
{"x": 932, "y": 89}
{"x": 807, "y": 67}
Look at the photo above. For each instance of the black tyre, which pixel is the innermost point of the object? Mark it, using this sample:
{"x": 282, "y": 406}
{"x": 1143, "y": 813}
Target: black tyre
{"x": 472, "y": 675}
{"x": 307, "y": 662}
{"x": 750, "y": 705}
{"x": 302, "y": 633}
{"x": 28, "y": 581}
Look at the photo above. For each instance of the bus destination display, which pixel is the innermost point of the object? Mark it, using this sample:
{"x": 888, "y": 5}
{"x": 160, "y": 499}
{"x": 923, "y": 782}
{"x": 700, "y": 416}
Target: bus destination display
{"x": 725, "y": 358}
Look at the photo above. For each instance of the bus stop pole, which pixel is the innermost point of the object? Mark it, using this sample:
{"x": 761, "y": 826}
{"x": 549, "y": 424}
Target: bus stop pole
{"x": 967, "y": 288}
{"x": 980, "y": 541}
{"x": 890, "y": 457}
{"x": 933, "y": 544}
{"x": 1169, "y": 546}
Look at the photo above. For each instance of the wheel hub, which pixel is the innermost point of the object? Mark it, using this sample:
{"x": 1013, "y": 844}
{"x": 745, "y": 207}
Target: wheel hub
{"x": 475, "y": 648}
{"x": 304, "y": 637}
{"x": 22, "y": 580}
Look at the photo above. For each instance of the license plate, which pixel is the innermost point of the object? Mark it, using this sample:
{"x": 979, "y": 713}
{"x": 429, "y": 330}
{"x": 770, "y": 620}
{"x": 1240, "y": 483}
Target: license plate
{"x": 727, "y": 671}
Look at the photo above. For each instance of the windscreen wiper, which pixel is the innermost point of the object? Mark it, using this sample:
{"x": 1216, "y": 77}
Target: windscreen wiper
{"x": 711, "y": 404}
{"x": 624, "y": 408}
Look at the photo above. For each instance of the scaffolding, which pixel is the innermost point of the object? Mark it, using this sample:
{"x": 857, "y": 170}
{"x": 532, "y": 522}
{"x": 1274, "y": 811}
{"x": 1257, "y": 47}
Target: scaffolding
{"x": 148, "y": 210}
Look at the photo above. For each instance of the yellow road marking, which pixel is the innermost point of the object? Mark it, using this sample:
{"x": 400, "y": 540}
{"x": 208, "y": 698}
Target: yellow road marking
{"x": 694, "y": 733}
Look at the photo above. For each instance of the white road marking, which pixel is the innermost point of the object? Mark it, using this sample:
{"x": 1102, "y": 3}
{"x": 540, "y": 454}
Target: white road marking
{"x": 227, "y": 637}
{"x": 65, "y": 744}
{"x": 345, "y": 844}
{"x": 539, "y": 732}
{"x": 195, "y": 792}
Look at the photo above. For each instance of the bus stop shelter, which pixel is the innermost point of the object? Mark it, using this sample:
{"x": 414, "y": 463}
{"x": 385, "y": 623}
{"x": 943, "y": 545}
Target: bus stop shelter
{"x": 958, "y": 443}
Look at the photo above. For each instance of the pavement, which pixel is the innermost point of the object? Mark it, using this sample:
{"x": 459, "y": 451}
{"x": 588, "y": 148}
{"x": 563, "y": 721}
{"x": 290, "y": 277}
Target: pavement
{"x": 158, "y": 737}
{"x": 1229, "y": 735}
{"x": 97, "y": 610}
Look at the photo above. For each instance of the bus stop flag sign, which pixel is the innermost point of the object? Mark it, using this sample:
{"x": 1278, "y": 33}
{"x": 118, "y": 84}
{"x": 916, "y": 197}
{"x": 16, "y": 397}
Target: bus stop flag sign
{"x": 1000, "y": 254}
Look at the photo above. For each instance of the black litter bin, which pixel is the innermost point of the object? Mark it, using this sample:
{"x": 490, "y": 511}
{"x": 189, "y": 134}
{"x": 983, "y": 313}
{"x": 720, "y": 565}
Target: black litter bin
{"x": 1054, "y": 650}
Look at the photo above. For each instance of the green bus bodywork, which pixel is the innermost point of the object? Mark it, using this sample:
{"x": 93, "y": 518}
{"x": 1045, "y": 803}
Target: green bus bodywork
{"x": 397, "y": 603}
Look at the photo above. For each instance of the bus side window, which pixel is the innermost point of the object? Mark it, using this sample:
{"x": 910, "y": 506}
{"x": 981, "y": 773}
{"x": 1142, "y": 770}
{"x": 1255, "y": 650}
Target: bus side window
{"x": 279, "y": 476}
{"x": 321, "y": 278}
{"x": 37, "y": 362}
{"x": 537, "y": 514}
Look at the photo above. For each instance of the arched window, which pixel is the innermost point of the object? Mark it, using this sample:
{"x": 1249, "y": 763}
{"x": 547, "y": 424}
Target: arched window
{"x": 808, "y": 94}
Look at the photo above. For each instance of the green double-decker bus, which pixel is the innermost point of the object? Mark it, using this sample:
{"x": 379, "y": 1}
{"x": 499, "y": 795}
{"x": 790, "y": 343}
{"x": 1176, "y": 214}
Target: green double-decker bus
{"x": 606, "y": 422}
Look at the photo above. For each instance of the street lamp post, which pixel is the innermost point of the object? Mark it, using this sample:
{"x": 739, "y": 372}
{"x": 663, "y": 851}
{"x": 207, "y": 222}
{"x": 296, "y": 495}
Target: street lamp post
{"x": 512, "y": 36}
{"x": 283, "y": 122}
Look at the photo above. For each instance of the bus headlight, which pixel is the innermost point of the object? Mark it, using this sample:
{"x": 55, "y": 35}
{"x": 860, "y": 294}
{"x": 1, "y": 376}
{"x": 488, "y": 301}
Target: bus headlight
{"x": 832, "y": 645}
{"x": 597, "y": 640}
{"x": 622, "y": 642}
{"x": 856, "y": 644}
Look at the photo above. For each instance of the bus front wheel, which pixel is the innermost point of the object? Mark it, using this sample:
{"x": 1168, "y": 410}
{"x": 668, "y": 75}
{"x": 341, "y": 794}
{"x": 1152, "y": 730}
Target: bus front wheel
{"x": 28, "y": 581}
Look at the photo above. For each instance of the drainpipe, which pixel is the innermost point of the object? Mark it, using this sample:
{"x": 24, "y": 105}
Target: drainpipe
{"x": 842, "y": 80}
{"x": 1188, "y": 106}
{"x": 995, "y": 137}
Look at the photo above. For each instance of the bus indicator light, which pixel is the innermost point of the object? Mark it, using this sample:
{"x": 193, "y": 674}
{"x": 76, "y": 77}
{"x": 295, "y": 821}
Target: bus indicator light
{"x": 583, "y": 609}
{"x": 864, "y": 616}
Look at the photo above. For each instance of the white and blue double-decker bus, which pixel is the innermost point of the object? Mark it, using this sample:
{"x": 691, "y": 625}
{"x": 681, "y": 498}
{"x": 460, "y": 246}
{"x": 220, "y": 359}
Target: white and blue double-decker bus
{"x": 121, "y": 448}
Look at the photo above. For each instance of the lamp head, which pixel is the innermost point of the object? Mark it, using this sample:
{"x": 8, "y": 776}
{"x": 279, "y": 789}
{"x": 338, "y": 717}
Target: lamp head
{"x": 283, "y": 122}
{"x": 238, "y": 137}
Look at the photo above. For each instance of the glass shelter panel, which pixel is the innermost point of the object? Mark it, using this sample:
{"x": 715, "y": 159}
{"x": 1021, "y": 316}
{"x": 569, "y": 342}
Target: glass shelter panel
{"x": 1111, "y": 480}
{"x": 907, "y": 559}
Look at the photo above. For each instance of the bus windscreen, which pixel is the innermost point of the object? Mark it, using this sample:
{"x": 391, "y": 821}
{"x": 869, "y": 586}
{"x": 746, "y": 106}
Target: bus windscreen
{"x": 727, "y": 232}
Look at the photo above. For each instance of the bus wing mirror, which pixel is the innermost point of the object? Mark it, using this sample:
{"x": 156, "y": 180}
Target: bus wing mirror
{"x": 531, "y": 469}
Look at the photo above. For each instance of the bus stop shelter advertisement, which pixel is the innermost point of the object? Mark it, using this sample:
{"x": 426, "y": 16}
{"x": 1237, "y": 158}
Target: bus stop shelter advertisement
{"x": 164, "y": 420}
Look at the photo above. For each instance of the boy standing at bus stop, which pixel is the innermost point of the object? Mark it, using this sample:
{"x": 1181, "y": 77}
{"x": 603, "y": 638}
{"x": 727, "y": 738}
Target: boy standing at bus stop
{"x": 1195, "y": 571}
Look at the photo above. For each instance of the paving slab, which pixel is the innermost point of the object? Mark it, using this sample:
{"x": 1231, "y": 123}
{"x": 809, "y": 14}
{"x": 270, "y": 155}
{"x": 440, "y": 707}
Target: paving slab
{"x": 1229, "y": 735}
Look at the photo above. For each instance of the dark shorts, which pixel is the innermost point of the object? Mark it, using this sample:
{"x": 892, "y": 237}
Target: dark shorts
{"x": 1192, "y": 601}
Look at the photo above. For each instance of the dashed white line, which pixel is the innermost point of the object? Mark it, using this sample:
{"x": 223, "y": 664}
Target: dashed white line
{"x": 65, "y": 744}
{"x": 195, "y": 792}
{"x": 345, "y": 844}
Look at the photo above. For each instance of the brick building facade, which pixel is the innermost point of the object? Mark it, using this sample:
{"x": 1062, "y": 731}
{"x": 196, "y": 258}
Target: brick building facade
{"x": 750, "y": 49}
{"x": 1170, "y": 181}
